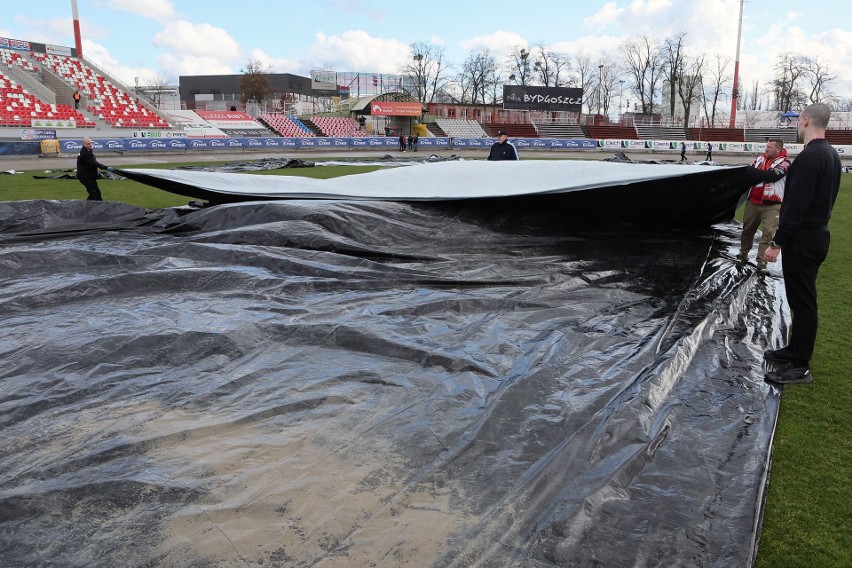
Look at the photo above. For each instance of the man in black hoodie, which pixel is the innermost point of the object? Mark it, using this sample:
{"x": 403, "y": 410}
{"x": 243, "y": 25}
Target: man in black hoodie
{"x": 87, "y": 170}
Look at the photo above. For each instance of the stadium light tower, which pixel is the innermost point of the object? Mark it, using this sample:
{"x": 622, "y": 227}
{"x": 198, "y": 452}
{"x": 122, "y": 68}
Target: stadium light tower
{"x": 735, "y": 91}
{"x": 78, "y": 43}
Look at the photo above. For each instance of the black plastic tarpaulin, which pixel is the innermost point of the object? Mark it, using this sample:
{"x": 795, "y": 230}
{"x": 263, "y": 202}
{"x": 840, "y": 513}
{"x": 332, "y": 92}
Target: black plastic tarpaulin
{"x": 655, "y": 194}
{"x": 361, "y": 383}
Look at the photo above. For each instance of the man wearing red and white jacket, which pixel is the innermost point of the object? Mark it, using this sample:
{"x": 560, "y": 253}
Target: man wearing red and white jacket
{"x": 764, "y": 200}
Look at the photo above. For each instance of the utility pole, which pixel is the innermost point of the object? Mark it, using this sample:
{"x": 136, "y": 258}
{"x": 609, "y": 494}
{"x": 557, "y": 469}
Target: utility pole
{"x": 735, "y": 91}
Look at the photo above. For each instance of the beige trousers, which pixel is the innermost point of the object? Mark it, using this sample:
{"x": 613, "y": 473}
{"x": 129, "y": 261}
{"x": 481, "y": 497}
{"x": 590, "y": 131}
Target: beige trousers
{"x": 764, "y": 217}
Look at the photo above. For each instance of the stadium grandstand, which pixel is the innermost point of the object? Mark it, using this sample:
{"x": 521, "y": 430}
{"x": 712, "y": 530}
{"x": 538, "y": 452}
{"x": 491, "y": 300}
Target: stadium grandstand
{"x": 20, "y": 108}
{"x": 38, "y": 81}
{"x": 103, "y": 97}
{"x": 285, "y": 125}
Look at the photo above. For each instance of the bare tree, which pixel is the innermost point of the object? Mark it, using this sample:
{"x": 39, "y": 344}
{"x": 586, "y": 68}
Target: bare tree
{"x": 673, "y": 60}
{"x": 479, "y": 77}
{"x": 427, "y": 70}
{"x": 818, "y": 77}
{"x": 843, "y": 105}
{"x": 608, "y": 80}
{"x": 689, "y": 84}
{"x": 520, "y": 65}
{"x": 157, "y": 87}
{"x": 254, "y": 84}
{"x": 644, "y": 65}
{"x": 716, "y": 80}
{"x": 753, "y": 103}
{"x": 551, "y": 68}
{"x": 790, "y": 70}
{"x": 583, "y": 65}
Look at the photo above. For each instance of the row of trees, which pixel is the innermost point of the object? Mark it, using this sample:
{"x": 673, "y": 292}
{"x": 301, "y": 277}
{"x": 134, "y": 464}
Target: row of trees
{"x": 659, "y": 76}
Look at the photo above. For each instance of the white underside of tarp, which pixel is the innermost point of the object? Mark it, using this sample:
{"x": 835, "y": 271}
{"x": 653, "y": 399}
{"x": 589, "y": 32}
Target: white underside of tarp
{"x": 438, "y": 181}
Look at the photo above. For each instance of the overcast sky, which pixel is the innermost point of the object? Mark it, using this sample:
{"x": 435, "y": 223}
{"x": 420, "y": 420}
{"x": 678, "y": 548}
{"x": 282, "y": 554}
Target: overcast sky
{"x": 144, "y": 38}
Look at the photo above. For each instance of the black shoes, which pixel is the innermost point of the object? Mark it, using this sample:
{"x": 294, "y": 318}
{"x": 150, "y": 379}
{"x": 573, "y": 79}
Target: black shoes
{"x": 790, "y": 376}
{"x": 785, "y": 369}
{"x": 778, "y": 355}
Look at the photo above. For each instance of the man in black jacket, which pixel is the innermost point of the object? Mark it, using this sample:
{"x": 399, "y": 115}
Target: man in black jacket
{"x": 87, "y": 170}
{"x": 503, "y": 149}
{"x": 813, "y": 181}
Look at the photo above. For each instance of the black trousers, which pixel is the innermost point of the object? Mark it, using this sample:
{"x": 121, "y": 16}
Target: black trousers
{"x": 800, "y": 260}
{"x": 92, "y": 189}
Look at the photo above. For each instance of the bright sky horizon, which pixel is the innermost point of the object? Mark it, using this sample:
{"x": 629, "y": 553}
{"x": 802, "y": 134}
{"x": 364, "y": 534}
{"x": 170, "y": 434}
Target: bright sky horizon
{"x": 169, "y": 38}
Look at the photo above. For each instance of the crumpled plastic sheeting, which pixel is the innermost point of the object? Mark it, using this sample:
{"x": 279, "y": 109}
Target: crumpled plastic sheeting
{"x": 377, "y": 384}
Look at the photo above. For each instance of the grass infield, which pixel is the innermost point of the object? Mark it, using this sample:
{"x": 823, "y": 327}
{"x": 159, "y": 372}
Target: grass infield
{"x": 808, "y": 508}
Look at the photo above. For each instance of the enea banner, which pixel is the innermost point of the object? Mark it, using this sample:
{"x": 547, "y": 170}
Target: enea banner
{"x": 524, "y": 97}
{"x": 395, "y": 109}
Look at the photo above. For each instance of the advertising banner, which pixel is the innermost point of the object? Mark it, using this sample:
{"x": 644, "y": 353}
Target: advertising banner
{"x": 395, "y": 109}
{"x": 634, "y": 144}
{"x": 538, "y": 143}
{"x": 54, "y": 123}
{"x": 324, "y": 80}
{"x": 475, "y": 142}
{"x": 32, "y": 134}
{"x": 57, "y": 50}
{"x": 611, "y": 143}
{"x": 224, "y": 116}
{"x": 8, "y": 43}
{"x": 177, "y": 144}
{"x": 340, "y": 143}
{"x": 70, "y": 146}
{"x": 377, "y": 142}
{"x": 158, "y": 134}
{"x": 108, "y": 144}
{"x": 434, "y": 142}
{"x": 524, "y": 97}
{"x": 573, "y": 144}
{"x": 198, "y": 143}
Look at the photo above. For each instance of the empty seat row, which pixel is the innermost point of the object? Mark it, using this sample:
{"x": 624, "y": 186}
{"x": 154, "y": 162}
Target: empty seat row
{"x": 11, "y": 57}
{"x": 113, "y": 105}
{"x": 338, "y": 126}
{"x": 285, "y": 125}
{"x": 461, "y": 128}
{"x": 20, "y": 108}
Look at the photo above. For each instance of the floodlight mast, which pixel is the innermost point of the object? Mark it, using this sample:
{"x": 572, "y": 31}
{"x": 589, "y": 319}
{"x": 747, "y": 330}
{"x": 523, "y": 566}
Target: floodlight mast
{"x": 735, "y": 91}
{"x": 78, "y": 43}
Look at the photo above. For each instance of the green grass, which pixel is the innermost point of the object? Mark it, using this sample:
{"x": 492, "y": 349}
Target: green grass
{"x": 808, "y": 508}
{"x": 20, "y": 187}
